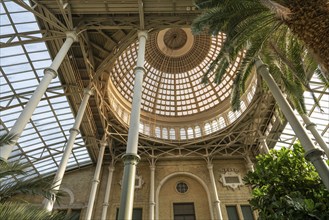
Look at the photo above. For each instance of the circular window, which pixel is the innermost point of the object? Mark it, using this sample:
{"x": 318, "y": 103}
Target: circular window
{"x": 181, "y": 187}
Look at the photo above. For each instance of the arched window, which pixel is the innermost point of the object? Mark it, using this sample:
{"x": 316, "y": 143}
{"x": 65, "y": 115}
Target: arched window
{"x": 157, "y": 132}
{"x": 147, "y": 129}
{"x": 164, "y": 133}
{"x": 172, "y": 134}
{"x": 214, "y": 125}
{"x": 231, "y": 116}
{"x": 125, "y": 117}
{"x": 221, "y": 122}
{"x": 243, "y": 106}
{"x": 207, "y": 128}
{"x": 182, "y": 134}
{"x": 190, "y": 134}
{"x": 197, "y": 131}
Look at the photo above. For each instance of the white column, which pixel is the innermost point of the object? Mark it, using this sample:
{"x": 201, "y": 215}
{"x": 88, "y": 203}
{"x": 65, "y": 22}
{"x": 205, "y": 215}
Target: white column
{"x": 131, "y": 158}
{"x": 107, "y": 192}
{"x": 95, "y": 181}
{"x": 49, "y": 74}
{"x": 311, "y": 152}
{"x": 312, "y": 127}
{"x": 215, "y": 193}
{"x": 74, "y": 131}
{"x": 250, "y": 164}
{"x": 264, "y": 146}
{"x": 152, "y": 202}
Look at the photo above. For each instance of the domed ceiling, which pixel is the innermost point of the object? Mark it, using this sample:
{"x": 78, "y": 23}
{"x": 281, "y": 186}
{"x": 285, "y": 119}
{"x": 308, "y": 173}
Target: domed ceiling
{"x": 175, "y": 63}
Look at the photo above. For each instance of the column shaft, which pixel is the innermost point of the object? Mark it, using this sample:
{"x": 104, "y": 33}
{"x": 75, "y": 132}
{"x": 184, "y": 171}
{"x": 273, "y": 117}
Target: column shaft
{"x": 319, "y": 164}
{"x": 250, "y": 164}
{"x": 131, "y": 158}
{"x": 264, "y": 146}
{"x": 152, "y": 202}
{"x": 74, "y": 131}
{"x": 95, "y": 182}
{"x": 27, "y": 112}
{"x": 107, "y": 192}
{"x": 215, "y": 193}
{"x": 312, "y": 128}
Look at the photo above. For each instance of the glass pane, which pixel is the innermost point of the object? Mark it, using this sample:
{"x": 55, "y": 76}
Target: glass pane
{"x": 232, "y": 213}
{"x": 137, "y": 214}
{"x": 184, "y": 211}
{"x": 247, "y": 212}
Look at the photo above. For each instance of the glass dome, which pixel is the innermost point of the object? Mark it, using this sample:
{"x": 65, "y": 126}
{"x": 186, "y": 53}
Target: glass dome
{"x": 173, "y": 95}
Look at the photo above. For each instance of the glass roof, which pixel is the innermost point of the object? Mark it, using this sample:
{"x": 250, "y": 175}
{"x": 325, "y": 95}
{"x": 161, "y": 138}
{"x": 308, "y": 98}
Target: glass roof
{"x": 42, "y": 143}
{"x": 318, "y": 116}
{"x": 176, "y": 105}
{"x": 169, "y": 91}
{"x": 172, "y": 83}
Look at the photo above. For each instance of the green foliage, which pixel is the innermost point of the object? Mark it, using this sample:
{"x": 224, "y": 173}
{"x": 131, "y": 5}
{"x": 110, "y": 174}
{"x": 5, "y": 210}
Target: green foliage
{"x": 286, "y": 186}
{"x": 9, "y": 188}
{"x": 15, "y": 211}
{"x": 256, "y": 29}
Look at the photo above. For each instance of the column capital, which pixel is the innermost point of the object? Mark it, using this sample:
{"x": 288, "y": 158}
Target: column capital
{"x": 111, "y": 168}
{"x": 88, "y": 91}
{"x": 139, "y": 68}
{"x": 74, "y": 130}
{"x": 309, "y": 125}
{"x": 50, "y": 71}
{"x": 152, "y": 167}
{"x": 210, "y": 166}
{"x": 72, "y": 34}
{"x": 131, "y": 159}
{"x": 142, "y": 34}
{"x": 103, "y": 143}
{"x": 95, "y": 180}
{"x": 313, "y": 154}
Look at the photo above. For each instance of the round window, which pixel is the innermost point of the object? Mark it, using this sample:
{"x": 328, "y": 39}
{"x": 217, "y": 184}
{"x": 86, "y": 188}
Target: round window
{"x": 181, "y": 187}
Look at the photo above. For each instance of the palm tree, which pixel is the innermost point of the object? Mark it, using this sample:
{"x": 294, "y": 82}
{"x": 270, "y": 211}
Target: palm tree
{"x": 262, "y": 28}
{"x": 307, "y": 20}
{"x": 11, "y": 209}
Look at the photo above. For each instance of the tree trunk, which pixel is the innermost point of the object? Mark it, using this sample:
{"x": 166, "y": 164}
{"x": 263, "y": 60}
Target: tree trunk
{"x": 309, "y": 21}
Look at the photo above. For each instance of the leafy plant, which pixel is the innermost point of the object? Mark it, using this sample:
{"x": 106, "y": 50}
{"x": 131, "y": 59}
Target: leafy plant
{"x": 286, "y": 186}
{"x": 13, "y": 209}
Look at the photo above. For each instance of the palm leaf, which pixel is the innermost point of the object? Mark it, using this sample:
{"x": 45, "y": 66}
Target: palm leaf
{"x": 15, "y": 211}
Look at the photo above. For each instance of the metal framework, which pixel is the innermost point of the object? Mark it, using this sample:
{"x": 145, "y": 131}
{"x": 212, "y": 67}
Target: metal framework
{"x": 32, "y": 33}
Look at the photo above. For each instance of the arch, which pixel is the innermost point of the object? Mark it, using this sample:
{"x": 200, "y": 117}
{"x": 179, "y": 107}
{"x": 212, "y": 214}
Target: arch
{"x": 191, "y": 175}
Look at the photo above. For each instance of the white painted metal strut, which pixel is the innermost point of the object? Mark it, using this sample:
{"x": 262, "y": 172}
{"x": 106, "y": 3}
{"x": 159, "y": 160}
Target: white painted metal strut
{"x": 131, "y": 158}
{"x": 95, "y": 181}
{"x": 74, "y": 131}
{"x": 25, "y": 116}
{"x": 312, "y": 153}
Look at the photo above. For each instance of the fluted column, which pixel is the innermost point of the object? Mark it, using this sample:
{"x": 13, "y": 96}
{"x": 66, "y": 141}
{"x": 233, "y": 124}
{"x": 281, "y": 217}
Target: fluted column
{"x": 131, "y": 158}
{"x": 74, "y": 131}
{"x": 49, "y": 74}
{"x": 107, "y": 192}
{"x": 95, "y": 181}
{"x": 215, "y": 193}
{"x": 152, "y": 201}
{"x": 311, "y": 152}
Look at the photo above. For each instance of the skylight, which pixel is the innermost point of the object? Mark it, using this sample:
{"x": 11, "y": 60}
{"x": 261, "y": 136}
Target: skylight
{"x": 42, "y": 143}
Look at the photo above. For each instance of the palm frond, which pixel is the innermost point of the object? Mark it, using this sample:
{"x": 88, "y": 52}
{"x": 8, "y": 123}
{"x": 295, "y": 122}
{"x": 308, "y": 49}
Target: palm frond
{"x": 14, "y": 211}
{"x": 7, "y": 139}
{"x": 7, "y": 169}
